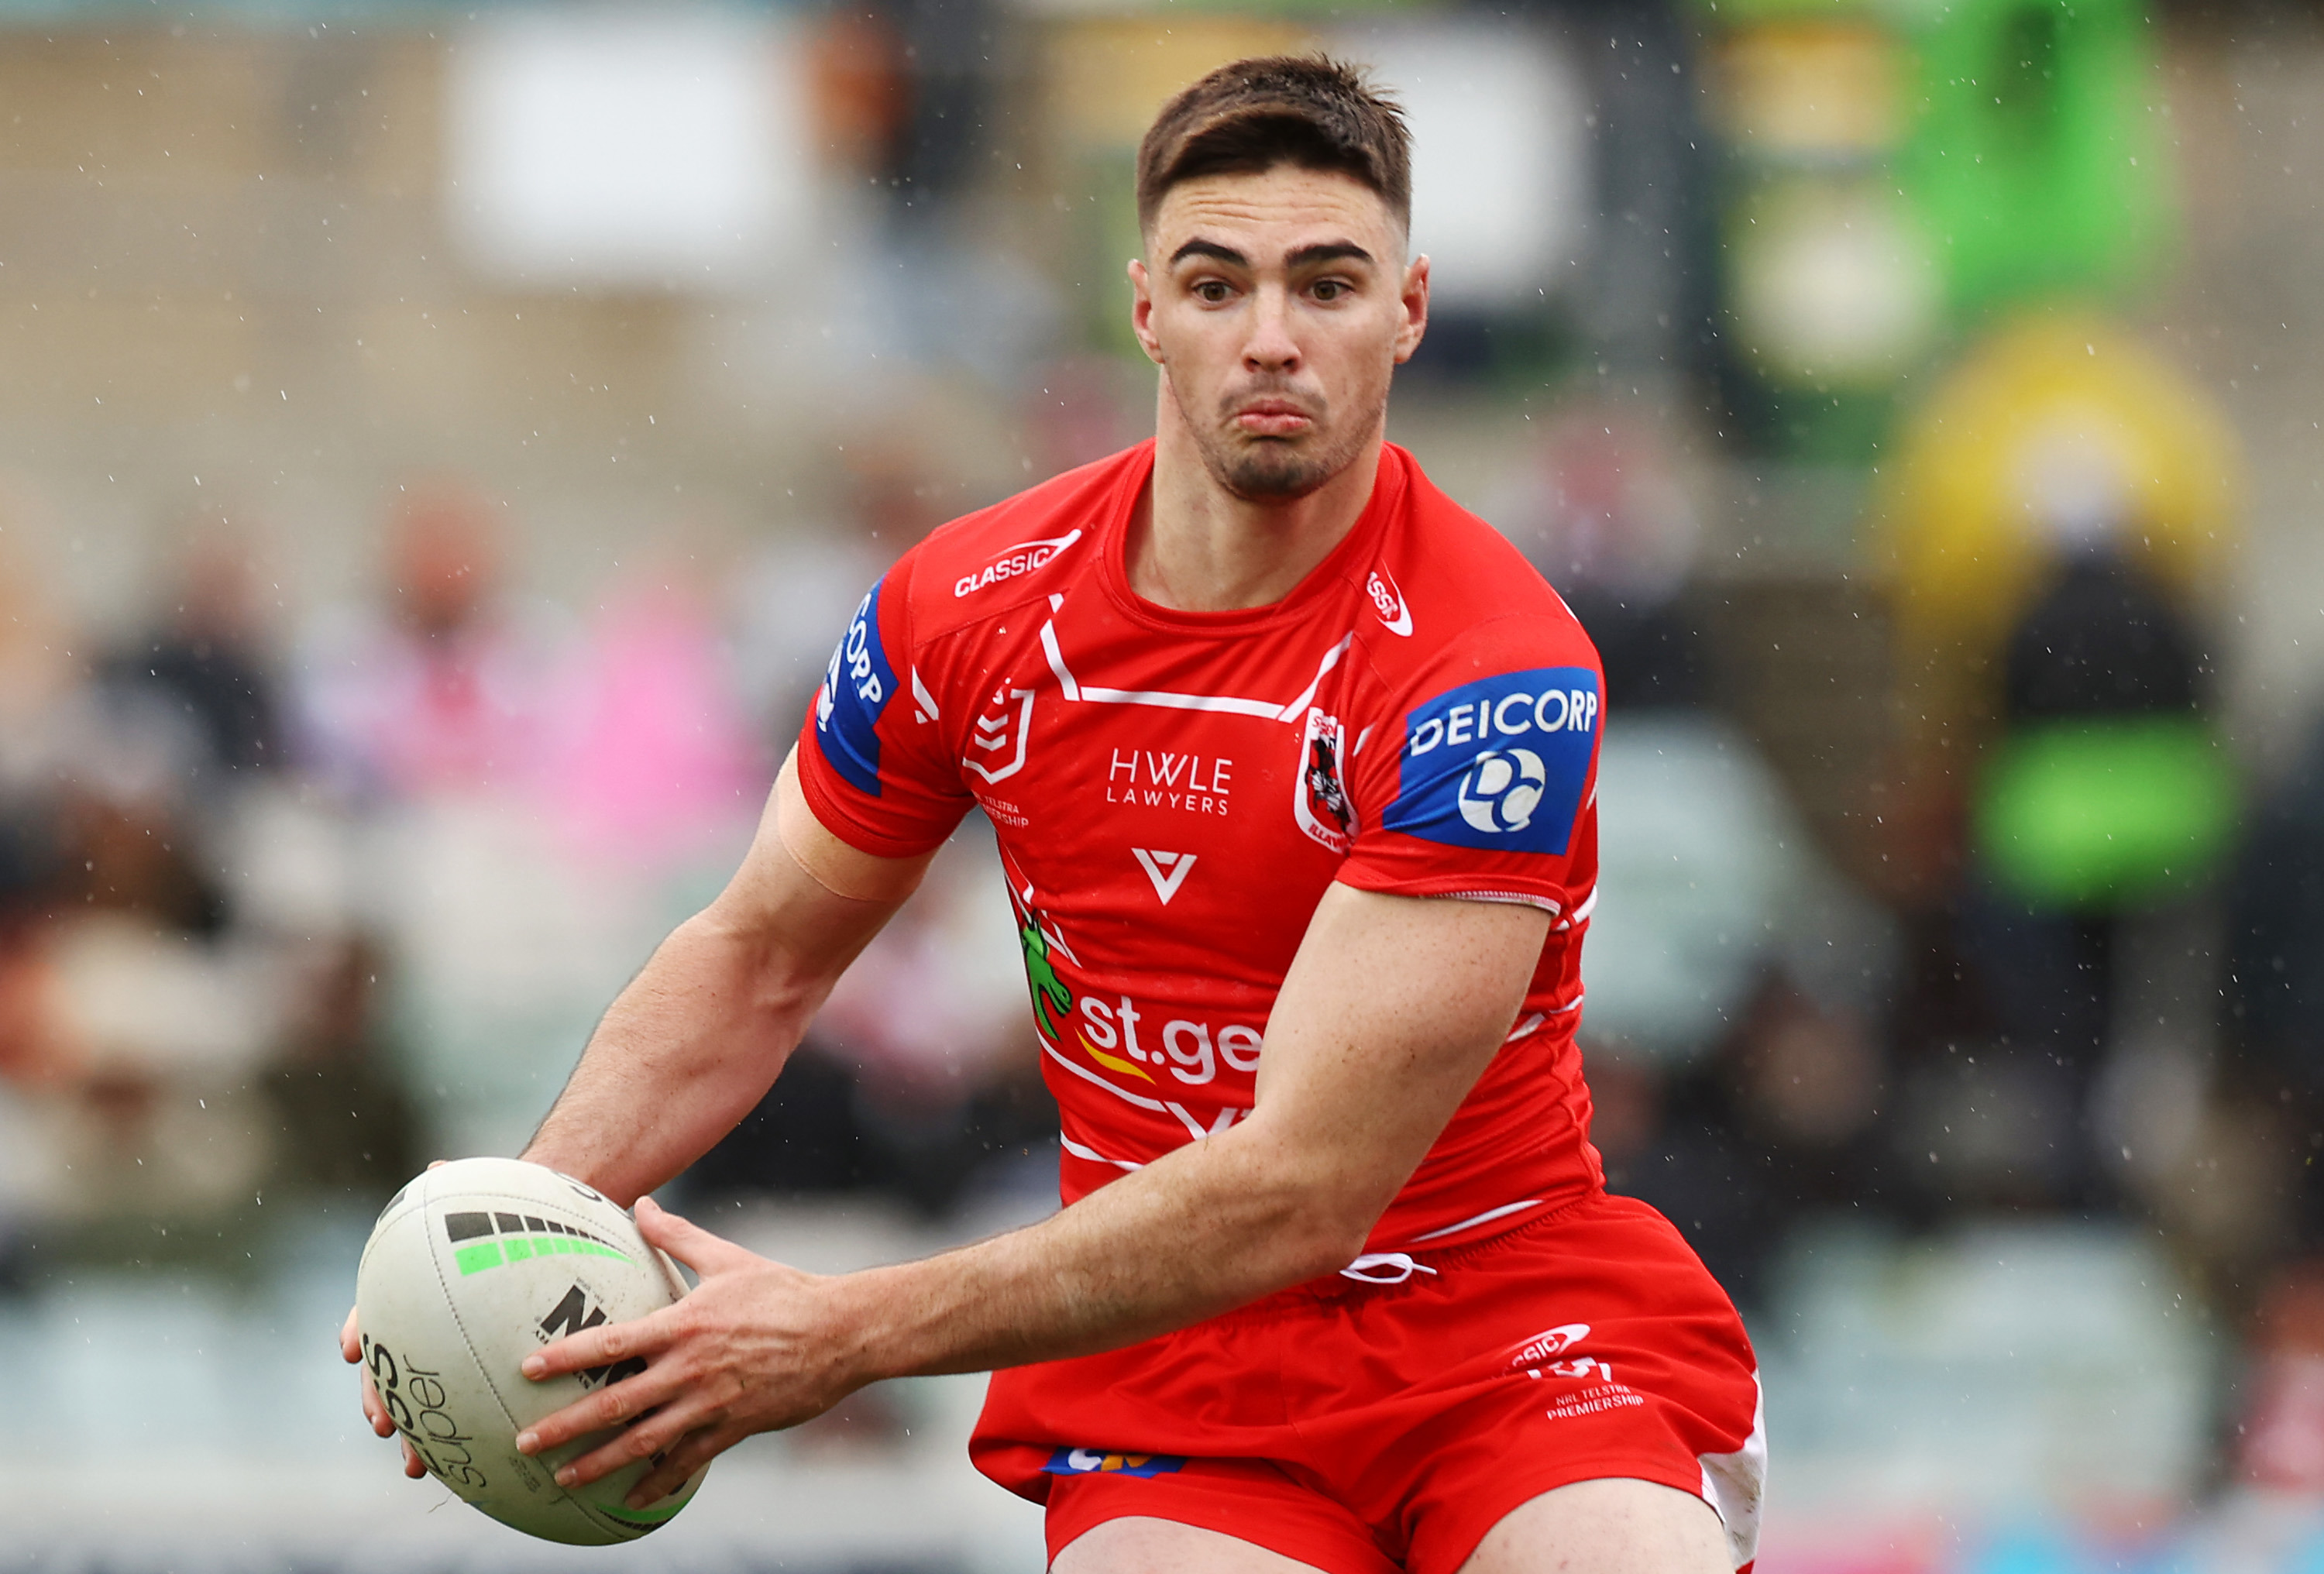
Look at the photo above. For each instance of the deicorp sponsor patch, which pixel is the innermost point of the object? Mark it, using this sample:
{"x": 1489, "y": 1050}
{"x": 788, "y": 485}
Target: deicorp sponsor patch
{"x": 856, "y": 687}
{"x": 1499, "y": 764}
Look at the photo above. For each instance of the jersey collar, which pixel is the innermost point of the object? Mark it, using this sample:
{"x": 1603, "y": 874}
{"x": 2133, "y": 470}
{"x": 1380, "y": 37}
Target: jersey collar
{"x": 1343, "y": 565}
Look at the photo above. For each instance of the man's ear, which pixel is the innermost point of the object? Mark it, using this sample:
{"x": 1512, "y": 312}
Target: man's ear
{"x": 1141, "y": 310}
{"x": 1415, "y": 309}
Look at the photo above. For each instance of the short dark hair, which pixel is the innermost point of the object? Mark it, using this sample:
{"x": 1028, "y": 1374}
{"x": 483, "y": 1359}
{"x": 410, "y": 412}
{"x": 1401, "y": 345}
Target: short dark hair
{"x": 1249, "y": 117}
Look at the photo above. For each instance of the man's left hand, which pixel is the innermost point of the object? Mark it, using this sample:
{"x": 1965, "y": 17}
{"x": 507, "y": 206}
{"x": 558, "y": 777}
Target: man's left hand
{"x": 756, "y": 1347}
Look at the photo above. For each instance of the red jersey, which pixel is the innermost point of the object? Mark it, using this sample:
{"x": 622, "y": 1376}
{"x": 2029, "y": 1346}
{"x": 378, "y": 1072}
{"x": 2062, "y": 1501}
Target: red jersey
{"x": 1174, "y": 791}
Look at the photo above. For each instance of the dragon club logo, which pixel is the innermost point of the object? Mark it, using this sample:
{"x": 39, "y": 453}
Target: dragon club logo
{"x": 1319, "y": 792}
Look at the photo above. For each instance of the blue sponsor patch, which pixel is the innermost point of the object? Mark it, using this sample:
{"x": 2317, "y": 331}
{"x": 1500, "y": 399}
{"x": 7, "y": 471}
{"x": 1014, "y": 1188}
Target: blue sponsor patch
{"x": 1499, "y": 764}
{"x": 1091, "y": 1462}
{"x": 856, "y": 687}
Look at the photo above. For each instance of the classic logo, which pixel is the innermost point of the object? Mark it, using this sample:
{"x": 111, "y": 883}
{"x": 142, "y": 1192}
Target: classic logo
{"x": 1319, "y": 793}
{"x": 1012, "y": 561}
{"x": 1168, "y": 870}
{"x": 1006, "y": 720}
{"x": 1387, "y": 600}
{"x": 856, "y": 687}
{"x": 1548, "y": 1343}
{"x": 1499, "y": 763}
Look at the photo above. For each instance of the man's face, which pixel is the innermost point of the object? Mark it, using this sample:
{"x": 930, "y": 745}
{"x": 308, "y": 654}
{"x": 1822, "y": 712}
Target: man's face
{"x": 1278, "y": 305}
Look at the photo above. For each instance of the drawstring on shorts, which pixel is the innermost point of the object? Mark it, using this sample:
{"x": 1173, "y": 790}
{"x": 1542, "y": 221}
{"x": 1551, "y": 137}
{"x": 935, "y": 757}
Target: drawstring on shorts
{"x": 1395, "y": 1268}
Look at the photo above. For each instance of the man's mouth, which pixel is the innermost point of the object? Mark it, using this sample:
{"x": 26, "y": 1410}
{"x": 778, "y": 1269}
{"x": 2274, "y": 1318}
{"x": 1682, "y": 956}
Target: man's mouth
{"x": 1272, "y": 417}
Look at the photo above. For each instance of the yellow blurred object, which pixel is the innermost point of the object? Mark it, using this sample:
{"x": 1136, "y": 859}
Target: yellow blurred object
{"x": 1802, "y": 87}
{"x": 2056, "y": 427}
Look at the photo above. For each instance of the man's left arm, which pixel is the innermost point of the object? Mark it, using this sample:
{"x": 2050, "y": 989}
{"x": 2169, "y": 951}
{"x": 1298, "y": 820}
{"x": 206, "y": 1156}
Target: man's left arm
{"x": 1390, "y": 1012}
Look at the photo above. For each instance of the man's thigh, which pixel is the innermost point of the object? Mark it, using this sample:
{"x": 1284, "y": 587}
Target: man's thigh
{"x": 1208, "y": 1517}
{"x": 1161, "y": 1546}
{"x": 1615, "y": 1526}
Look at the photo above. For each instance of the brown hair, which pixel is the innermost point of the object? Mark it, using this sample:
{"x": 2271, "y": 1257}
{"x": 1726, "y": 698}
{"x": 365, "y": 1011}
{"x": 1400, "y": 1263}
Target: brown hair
{"x": 1249, "y": 117}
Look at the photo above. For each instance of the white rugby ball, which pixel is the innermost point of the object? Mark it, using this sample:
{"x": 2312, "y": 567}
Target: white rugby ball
{"x": 472, "y": 1267}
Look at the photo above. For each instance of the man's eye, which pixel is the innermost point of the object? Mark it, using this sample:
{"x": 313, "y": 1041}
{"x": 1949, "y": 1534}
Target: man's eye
{"x": 1211, "y": 290}
{"x": 1329, "y": 289}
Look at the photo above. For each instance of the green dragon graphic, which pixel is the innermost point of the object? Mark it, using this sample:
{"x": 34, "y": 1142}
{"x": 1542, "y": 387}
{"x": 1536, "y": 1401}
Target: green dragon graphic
{"x": 1051, "y": 999}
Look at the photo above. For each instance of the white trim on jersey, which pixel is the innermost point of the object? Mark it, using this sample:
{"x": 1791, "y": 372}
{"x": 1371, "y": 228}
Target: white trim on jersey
{"x": 1298, "y": 707}
{"x": 1732, "y": 1484}
{"x": 1169, "y": 700}
{"x": 1487, "y": 1217}
{"x": 1506, "y": 899}
{"x": 1090, "y": 1154}
{"x": 1143, "y": 1102}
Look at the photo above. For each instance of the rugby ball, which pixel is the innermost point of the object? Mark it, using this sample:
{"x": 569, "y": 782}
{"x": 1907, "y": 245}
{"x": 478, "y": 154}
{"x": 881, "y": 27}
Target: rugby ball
{"x": 472, "y": 1267}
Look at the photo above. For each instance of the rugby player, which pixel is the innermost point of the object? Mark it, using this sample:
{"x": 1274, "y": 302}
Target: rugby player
{"x": 1291, "y": 764}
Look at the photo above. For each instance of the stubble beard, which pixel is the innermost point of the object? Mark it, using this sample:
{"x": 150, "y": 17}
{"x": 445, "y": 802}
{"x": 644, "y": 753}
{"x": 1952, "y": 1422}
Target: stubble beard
{"x": 1278, "y": 469}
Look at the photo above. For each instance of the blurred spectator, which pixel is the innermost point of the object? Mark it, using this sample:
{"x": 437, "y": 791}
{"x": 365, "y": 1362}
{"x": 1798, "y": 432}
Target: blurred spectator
{"x": 2103, "y": 791}
{"x": 207, "y": 658}
{"x": 1732, "y": 977}
{"x": 859, "y": 71}
{"x": 2275, "y": 987}
{"x": 920, "y": 1077}
{"x": 141, "y": 1012}
{"x": 660, "y": 762}
{"x": 796, "y": 597}
{"x": 347, "y": 1127}
{"x": 450, "y": 689}
{"x": 1607, "y": 511}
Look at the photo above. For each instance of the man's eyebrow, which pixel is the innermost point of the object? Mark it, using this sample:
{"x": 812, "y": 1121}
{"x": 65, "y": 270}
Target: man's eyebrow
{"x": 1328, "y": 251}
{"x": 1304, "y": 257}
{"x": 1211, "y": 249}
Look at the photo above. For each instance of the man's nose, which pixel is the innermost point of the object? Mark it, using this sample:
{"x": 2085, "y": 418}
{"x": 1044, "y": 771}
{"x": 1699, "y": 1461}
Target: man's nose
{"x": 1271, "y": 347}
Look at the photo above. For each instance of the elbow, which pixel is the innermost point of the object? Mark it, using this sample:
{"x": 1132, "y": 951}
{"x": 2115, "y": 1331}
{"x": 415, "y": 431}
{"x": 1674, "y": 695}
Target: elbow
{"x": 1325, "y": 1234}
{"x": 1313, "y": 1210}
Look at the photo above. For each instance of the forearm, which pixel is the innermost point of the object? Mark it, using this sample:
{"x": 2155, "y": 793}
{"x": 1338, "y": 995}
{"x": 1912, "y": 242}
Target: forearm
{"x": 697, "y": 1038}
{"x": 1394, "y": 1008}
{"x": 680, "y": 1056}
{"x": 1209, "y": 1227}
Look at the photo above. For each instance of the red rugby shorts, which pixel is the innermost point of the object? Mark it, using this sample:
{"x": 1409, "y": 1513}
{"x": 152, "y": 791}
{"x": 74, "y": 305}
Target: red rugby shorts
{"x": 1366, "y": 1427}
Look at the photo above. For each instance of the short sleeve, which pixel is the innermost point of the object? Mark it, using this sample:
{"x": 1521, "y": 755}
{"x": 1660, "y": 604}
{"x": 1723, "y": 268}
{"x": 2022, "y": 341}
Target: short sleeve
{"x": 871, "y": 762}
{"x": 1479, "y": 777}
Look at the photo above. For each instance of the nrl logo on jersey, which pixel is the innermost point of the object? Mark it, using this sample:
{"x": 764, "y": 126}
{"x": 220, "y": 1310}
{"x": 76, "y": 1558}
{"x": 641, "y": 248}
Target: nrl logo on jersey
{"x": 1012, "y": 561}
{"x": 1319, "y": 793}
{"x": 1004, "y": 727}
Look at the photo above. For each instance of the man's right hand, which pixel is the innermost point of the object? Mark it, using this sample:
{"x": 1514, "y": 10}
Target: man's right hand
{"x": 375, "y": 1413}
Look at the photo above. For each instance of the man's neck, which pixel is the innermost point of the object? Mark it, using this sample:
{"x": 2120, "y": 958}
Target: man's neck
{"x": 1195, "y": 547}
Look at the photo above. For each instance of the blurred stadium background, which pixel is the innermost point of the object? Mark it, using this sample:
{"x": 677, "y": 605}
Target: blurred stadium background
{"x": 438, "y": 447}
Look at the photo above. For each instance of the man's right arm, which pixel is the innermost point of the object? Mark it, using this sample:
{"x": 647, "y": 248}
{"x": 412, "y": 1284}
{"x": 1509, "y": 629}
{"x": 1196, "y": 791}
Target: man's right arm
{"x": 698, "y": 1035}
{"x": 697, "y": 1038}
